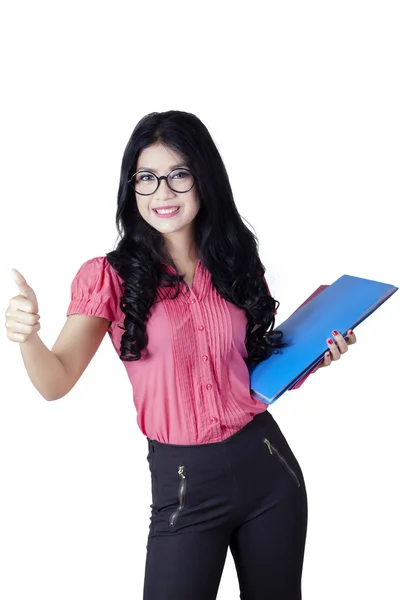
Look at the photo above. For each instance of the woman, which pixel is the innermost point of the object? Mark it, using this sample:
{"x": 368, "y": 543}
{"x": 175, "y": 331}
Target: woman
{"x": 186, "y": 305}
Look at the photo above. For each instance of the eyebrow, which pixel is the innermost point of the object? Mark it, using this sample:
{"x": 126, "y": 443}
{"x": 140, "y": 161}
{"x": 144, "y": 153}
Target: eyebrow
{"x": 170, "y": 167}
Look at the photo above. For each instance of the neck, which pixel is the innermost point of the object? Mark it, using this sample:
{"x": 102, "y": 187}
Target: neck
{"x": 184, "y": 253}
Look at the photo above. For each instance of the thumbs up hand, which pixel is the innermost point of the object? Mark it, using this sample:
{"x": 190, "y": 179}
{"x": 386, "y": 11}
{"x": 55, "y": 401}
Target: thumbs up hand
{"x": 22, "y": 318}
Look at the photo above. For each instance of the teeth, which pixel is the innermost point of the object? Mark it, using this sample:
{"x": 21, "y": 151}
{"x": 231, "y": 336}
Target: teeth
{"x": 164, "y": 211}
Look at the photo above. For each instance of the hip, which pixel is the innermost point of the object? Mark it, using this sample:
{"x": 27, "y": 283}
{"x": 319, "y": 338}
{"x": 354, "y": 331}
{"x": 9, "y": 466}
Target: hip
{"x": 250, "y": 470}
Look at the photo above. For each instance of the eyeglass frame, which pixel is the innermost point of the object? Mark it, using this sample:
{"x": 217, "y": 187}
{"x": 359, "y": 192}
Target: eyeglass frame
{"x": 159, "y": 178}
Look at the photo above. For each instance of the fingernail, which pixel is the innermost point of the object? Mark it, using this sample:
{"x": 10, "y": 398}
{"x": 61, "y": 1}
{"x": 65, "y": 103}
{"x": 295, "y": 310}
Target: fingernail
{"x": 350, "y": 332}
{"x": 330, "y": 341}
{"x": 335, "y": 332}
{"x": 326, "y": 354}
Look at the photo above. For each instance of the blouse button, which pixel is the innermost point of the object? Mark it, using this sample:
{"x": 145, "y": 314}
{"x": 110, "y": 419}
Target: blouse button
{"x": 205, "y": 357}
{"x": 200, "y": 327}
{"x": 214, "y": 420}
{"x": 192, "y": 300}
{"x": 208, "y": 386}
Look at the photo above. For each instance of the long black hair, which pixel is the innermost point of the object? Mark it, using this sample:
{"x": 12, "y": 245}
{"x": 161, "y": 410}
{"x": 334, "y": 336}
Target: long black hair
{"x": 226, "y": 247}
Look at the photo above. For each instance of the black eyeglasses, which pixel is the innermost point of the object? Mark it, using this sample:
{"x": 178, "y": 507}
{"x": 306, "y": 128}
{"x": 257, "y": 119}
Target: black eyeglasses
{"x": 146, "y": 183}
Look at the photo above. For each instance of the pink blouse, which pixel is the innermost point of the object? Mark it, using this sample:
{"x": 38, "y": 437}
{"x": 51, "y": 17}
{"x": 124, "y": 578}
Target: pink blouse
{"x": 194, "y": 386}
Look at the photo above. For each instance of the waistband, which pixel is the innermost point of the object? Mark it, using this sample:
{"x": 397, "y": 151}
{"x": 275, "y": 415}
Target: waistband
{"x": 258, "y": 422}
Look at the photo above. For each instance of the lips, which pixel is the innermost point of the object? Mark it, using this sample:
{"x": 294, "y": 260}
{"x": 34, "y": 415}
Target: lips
{"x": 167, "y": 215}
{"x": 164, "y": 208}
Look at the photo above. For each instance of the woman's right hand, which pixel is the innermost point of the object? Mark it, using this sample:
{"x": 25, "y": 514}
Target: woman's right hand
{"x": 22, "y": 318}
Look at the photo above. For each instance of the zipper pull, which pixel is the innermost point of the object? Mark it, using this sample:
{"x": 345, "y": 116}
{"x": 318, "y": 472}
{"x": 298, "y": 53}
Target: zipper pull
{"x": 267, "y": 442}
{"x": 181, "y": 472}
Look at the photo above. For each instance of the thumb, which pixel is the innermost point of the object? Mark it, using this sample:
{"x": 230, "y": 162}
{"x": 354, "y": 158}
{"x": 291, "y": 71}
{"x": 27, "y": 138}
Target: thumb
{"x": 24, "y": 288}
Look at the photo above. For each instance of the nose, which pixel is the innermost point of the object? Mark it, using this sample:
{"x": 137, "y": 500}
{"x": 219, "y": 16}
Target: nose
{"x": 164, "y": 190}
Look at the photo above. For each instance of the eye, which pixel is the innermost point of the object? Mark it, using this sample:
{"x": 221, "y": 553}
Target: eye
{"x": 143, "y": 176}
{"x": 179, "y": 174}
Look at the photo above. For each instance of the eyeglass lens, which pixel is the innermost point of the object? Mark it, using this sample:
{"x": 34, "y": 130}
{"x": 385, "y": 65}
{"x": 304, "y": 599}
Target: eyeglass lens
{"x": 180, "y": 180}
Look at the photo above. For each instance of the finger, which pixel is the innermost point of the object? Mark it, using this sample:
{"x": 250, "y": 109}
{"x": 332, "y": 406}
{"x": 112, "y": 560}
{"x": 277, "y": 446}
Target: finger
{"x": 327, "y": 360}
{"x": 21, "y": 303}
{"x": 333, "y": 349}
{"x": 17, "y": 337}
{"x": 22, "y": 328}
{"x": 21, "y": 282}
{"x": 351, "y": 337}
{"x": 340, "y": 341}
{"x": 22, "y": 316}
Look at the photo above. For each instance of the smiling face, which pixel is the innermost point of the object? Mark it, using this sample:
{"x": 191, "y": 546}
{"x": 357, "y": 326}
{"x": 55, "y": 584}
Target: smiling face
{"x": 177, "y": 229}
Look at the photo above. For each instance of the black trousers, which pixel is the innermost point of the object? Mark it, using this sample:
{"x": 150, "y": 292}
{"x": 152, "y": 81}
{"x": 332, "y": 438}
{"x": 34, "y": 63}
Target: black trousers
{"x": 246, "y": 493}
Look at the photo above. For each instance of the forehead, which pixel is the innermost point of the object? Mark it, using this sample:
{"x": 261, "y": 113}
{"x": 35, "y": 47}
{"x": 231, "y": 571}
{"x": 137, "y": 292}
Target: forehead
{"x": 159, "y": 158}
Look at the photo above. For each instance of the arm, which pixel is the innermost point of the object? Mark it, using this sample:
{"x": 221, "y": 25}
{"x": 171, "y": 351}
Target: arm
{"x": 55, "y": 372}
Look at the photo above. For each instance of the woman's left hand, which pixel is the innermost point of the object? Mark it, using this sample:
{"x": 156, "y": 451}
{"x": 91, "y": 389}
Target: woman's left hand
{"x": 337, "y": 346}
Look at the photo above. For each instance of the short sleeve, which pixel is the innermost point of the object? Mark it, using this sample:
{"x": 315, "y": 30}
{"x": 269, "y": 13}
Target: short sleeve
{"x": 95, "y": 290}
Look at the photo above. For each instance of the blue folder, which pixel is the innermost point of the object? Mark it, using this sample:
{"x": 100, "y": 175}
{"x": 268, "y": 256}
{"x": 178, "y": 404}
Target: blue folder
{"x": 342, "y": 305}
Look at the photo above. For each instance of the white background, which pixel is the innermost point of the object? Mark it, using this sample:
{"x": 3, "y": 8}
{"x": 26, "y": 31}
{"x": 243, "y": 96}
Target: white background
{"x": 304, "y": 94}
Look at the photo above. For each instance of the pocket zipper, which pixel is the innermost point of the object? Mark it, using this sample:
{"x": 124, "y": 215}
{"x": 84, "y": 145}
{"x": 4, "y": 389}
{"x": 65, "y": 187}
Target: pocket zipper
{"x": 283, "y": 461}
{"x": 181, "y": 494}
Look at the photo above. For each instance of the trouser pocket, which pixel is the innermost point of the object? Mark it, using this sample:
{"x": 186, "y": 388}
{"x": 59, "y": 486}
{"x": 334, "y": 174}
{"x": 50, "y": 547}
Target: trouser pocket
{"x": 182, "y": 482}
{"x": 273, "y": 450}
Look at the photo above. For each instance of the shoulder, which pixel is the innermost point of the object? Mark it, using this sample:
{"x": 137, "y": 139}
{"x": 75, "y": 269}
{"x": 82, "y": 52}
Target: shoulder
{"x": 97, "y": 274}
{"x": 95, "y": 265}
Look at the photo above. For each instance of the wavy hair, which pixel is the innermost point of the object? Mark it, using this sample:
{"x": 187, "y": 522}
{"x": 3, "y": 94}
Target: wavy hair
{"x": 226, "y": 247}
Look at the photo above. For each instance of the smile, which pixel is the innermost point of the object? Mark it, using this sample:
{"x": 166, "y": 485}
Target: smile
{"x": 166, "y": 212}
